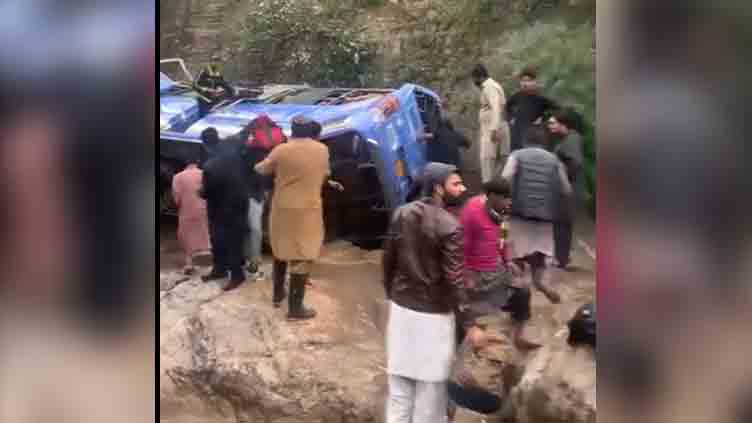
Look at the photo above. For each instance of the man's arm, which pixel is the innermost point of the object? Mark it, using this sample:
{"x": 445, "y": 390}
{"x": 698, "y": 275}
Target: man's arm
{"x": 328, "y": 181}
{"x": 509, "y": 107}
{"x": 229, "y": 89}
{"x": 468, "y": 222}
{"x": 201, "y": 78}
{"x": 206, "y": 185}
{"x": 452, "y": 262}
{"x": 496, "y": 101}
{"x": 269, "y": 165}
{"x": 566, "y": 187}
{"x": 389, "y": 260}
{"x": 176, "y": 191}
{"x": 462, "y": 140}
{"x": 510, "y": 169}
{"x": 570, "y": 153}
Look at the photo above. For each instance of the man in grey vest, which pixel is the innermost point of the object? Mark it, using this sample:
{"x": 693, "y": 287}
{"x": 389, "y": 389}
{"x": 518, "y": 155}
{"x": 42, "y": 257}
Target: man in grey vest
{"x": 538, "y": 181}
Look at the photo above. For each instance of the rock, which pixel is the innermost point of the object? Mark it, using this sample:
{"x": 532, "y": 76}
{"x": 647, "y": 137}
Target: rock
{"x": 169, "y": 281}
{"x": 233, "y": 357}
{"x": 557, "y": 384}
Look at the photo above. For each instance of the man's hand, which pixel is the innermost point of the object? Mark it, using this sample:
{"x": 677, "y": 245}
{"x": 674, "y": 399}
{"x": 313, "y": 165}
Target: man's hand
{"x": 336, "y": 185}
{"x": 516, "y": 270}
{"x": 477, "y": 337}
{"x": 466, "y": 379}
{"x": 496, "y": 136}
{"x": 469, "y": 282}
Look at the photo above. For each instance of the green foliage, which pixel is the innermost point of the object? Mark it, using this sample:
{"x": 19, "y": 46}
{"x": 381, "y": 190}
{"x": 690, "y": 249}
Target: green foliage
{"x": 373, "y": 3}
{"x": 318, "y": 41}
{"x": 295, "y": 41}
{"x": 566, "y": 65}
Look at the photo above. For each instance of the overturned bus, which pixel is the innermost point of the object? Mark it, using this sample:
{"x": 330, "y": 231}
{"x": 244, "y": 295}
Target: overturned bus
{"x": 376, "y": 139}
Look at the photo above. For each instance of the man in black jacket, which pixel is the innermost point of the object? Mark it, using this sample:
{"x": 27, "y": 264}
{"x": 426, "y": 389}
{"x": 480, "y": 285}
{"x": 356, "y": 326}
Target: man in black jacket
{"x": 566, "y": 127}
{"x": 446, "y": 143}
{"x": 526, "y": 106}
{"x": 226, "y": 192}
{"x": 424, "y": 282}
{"x": 258, "y": 138}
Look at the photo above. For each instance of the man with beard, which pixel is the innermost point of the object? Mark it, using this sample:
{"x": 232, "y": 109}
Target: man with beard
{"x": 494, "y": 132}
{"x": 423, "y": 278}
{"x": 526, "y": 106}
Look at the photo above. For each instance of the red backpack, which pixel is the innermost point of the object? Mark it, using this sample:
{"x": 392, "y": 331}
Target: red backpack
{"x": 264, "y": 133}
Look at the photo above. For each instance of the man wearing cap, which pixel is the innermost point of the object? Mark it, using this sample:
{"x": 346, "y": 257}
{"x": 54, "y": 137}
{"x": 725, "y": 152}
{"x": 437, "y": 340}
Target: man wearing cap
{"x": 212, "y": 86}
{"x": 423, "y": 278}
{"x": 300, "y": 168}
{"x": 211, "y": 82}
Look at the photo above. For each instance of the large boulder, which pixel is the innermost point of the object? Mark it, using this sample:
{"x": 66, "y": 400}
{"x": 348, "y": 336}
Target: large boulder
{"x": 232, "y": 357}
{"x": 556, "y": 385}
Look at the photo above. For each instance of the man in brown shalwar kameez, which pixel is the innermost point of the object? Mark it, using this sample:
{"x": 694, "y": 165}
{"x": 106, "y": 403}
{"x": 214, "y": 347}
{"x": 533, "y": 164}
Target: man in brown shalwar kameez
{"x": 296, "y": 225}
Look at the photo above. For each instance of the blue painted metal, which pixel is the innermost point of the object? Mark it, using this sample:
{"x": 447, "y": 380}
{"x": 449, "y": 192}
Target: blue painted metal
{"x": 165, "y": 83}
{"x": 393, "y": 138}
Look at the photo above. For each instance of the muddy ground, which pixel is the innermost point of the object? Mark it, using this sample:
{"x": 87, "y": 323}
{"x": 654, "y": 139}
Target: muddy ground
{"x": 352, "y": 277}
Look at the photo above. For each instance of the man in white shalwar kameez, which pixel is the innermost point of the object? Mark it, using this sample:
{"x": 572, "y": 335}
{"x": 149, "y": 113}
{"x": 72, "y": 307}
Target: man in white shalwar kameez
{"x": 423, "y": 278}
{"x": 493, "y": 145}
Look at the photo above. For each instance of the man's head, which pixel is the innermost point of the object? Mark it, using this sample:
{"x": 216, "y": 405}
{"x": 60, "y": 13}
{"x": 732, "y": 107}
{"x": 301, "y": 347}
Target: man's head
{"x": 529, "y": 80}
{"x": 536, "y": 136}
{"x": 499, "y": 194}
{"x": 210, "y": 137}
{"x": 562, "y": 122}
{"x": 442, "y": 181}
{"x": 302, "y": 127}
{"x": 479, "y": 74}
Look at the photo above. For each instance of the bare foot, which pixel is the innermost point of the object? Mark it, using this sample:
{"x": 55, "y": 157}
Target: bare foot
{"x": 523, "y": 344}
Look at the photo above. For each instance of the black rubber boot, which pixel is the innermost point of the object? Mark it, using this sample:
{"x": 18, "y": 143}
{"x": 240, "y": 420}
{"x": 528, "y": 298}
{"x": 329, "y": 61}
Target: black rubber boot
{"x": 213, "y": 276}
{"x": 297, "y": 293}
{"x": 237, "y": 279}
{"x": 279, "y": 273}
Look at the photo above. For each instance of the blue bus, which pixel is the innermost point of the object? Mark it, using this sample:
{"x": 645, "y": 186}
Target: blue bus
{"x": 376, "y": 138}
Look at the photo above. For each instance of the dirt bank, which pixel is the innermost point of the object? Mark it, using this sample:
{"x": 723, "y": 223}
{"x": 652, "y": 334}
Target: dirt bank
{"x": 349, "y": 296}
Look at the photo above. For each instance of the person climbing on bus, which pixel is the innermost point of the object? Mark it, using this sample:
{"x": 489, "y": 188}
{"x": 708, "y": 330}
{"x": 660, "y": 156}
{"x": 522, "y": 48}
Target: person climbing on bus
{"x": 212, "y": 86}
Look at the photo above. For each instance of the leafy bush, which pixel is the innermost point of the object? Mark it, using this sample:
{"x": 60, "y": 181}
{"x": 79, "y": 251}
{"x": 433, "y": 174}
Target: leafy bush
{"x": 297, "y": 41}
{"x": 566, "y": 65}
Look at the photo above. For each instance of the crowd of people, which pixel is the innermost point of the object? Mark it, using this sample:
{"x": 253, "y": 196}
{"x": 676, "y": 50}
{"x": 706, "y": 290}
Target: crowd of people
{"x": 222, "y": 193}
{"x": 448, "y": 261}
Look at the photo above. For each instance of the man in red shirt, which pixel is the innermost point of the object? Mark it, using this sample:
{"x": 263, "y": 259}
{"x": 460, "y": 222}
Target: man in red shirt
{"x": 489, "y": 269}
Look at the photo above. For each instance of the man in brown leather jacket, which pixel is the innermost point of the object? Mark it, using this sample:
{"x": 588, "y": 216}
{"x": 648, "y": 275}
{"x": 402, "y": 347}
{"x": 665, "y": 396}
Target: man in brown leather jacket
{"x": 423, "y": 276}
